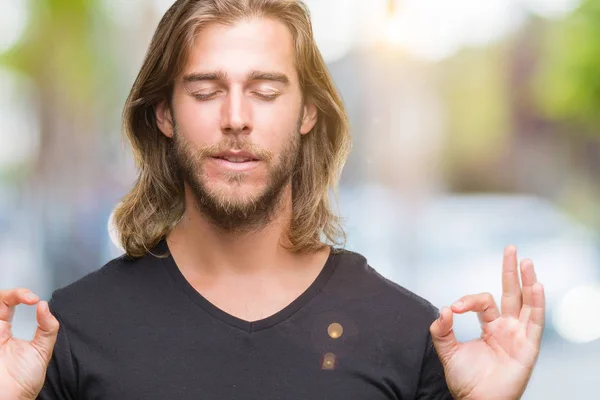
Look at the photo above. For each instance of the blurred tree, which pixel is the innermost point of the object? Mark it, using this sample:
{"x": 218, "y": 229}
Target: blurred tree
{"x": 57, "y": 49}
{"x": 567, "y": 86}
{"x": 63, "y": 54}
{"x": 475, "y": 87}
{"x": 567, "y": 91}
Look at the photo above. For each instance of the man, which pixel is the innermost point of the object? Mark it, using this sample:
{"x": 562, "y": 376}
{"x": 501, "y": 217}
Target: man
{"x": 232, "y": 286}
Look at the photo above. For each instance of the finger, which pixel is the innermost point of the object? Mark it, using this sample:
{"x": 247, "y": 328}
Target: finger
{"x": 442, "y": 335}
{"x": 483, "y": 304}
{"x": 538, "y": 311}
{"x": 528, "y": 278}
{"x": 47, "y": 331}
{"x": 11, "y": 298}
{"x": 511, "y": 289}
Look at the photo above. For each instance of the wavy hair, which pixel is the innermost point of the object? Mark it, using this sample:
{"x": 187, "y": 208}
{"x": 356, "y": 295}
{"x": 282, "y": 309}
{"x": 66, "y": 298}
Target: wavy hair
{"x": 156, "y": 202}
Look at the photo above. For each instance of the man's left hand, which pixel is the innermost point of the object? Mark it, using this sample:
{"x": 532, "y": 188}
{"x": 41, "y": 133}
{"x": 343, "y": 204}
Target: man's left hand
{"x": 497, "y": 365}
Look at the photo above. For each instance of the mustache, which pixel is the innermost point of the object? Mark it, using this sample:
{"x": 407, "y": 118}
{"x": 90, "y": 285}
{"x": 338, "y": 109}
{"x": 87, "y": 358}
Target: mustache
{"x": 228, "y": 144}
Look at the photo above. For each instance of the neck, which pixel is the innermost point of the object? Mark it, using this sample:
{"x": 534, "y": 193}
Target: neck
{"x": 199, "y": 244}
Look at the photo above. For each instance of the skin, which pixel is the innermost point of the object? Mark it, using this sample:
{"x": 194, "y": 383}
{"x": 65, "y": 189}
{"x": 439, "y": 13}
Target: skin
{"x": 498, "y": 365}
{"x": 246, "y": 257}
{"x": 23, "y": 363}
{"x": 243, "y": 108}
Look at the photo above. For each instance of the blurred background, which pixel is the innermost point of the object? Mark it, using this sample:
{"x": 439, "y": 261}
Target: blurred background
{"x": 476, "y": 124}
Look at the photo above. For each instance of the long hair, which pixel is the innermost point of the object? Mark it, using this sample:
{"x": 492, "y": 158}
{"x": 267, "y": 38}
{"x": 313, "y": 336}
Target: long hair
{"x": 156, "y": 202}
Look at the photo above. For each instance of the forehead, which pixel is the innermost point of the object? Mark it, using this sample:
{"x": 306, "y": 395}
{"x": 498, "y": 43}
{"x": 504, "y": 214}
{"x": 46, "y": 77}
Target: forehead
{"x": 257, "y": 44}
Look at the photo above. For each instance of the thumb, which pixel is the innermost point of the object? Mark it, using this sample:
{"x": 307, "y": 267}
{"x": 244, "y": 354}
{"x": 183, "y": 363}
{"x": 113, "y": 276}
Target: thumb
{"x": 47, "y": 331}
{"x": 443, "y": 336}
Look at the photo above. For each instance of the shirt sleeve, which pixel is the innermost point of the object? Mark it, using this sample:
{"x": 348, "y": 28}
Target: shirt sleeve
{"x": 60, "y": 380}
{"x": 432, "y": 382}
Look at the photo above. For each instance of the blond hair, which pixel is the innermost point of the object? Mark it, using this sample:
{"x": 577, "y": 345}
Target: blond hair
{"x": 156, "y": 202}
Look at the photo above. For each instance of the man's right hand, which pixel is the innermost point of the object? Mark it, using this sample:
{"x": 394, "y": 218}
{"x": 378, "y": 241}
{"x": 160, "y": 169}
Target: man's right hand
{"x": 23, "y": 363}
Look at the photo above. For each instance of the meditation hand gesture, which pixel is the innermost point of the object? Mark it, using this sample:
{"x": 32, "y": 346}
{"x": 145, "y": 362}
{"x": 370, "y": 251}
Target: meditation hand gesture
{"x": 23, "y": 363}
{"x": 499, "y": 364}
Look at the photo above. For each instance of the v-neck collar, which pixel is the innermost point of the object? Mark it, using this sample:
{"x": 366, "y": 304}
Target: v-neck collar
{"x": 249, "y": 326}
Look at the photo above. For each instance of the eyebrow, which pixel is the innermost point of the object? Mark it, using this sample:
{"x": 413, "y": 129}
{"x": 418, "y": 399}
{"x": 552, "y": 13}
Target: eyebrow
{"x": 220, "y": 75}
{"x": 268, "y": 76}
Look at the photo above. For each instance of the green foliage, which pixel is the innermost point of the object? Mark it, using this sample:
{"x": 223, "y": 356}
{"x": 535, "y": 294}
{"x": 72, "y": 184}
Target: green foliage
{"x": 475, "y": 90}
{"x": 567, "y": 87}
{"x": 57, "y": 50}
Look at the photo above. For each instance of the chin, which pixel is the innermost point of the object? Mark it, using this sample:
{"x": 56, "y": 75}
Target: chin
{"x": 236, "y": 193}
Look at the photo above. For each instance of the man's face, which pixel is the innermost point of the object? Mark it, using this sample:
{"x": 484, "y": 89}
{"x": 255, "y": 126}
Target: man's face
{"x": 237, "y": 116}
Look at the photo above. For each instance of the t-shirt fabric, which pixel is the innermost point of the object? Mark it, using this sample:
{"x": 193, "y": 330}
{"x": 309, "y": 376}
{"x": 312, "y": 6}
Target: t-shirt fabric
{"x": 137, "y": 329}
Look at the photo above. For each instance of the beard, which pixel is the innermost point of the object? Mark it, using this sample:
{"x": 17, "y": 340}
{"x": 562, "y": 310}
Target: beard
{"x": 226, "y": 211}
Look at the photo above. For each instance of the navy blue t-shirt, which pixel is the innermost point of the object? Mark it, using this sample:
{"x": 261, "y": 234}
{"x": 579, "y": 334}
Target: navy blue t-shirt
{"x": 137, "y": 330}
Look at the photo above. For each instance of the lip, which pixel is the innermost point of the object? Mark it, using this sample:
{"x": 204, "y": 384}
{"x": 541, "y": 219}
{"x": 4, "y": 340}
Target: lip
{"x": 232, "y": 153}
{"x": 235, "y": 166}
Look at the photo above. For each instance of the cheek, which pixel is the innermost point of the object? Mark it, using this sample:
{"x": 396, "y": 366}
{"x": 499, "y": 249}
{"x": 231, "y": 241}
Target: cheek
{"x": 199, "y": 124}
{"x": 283, "y": 112}
{"x": 276, "y": 125}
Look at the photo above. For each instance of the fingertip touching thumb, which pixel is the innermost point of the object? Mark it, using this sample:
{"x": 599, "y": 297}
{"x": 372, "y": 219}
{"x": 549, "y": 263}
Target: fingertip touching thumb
{"x": 47, "y": 331}
{"x": 442, "y": 334}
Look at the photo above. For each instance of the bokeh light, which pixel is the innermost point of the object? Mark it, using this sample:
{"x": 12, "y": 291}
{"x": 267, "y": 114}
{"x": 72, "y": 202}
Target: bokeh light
{"x": 551, "y": 8}
{"x": 335, "y": 330}
{"x": 13, "y": 22}
{"x": 334, "y": 26}
{"x": 20, "y": 127}
{"x": 577, "y": 317}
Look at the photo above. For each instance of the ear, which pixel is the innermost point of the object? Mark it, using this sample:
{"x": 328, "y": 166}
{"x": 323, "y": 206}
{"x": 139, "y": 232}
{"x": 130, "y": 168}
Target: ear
{"x": 164, "y": 120}
{"x": 309, "y": 118}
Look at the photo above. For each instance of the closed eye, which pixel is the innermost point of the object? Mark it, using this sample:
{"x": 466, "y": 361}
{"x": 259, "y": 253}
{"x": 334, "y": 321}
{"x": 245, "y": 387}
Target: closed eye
{"x": 266, "y": 96}
{"x": 204, "y": 96}
{"x": 263, "y": 96}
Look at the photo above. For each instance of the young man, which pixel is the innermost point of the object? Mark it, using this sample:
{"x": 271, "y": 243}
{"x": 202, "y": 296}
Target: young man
{"x": 232, "y": 286}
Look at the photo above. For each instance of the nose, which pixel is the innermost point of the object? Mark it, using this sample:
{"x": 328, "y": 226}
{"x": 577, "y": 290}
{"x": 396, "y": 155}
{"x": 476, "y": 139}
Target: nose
{"x": 236, "y": 115}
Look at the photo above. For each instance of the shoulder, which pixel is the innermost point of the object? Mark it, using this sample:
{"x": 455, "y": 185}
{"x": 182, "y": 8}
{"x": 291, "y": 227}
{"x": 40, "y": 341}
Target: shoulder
{"x": 355, "y": 277}
{"x": 392, "y": 321}
{"x": 119, "y": 281}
